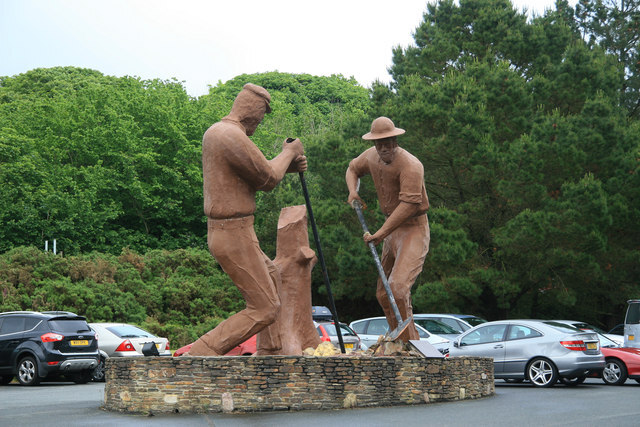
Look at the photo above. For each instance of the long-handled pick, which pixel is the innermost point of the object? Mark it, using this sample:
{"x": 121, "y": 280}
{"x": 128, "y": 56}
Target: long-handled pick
{"x": 316, "y": 237}
{"x": 402, "y": 325}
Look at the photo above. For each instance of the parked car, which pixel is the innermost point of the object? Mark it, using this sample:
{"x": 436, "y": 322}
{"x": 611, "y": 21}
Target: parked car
{"x": 632, "y": 324}
{"x": 320, "y": 313}
{"x": 327, "y": 332}
{"x": 541, "y": 351}
{"x": 459, "y": 322}
{"x": 620, "y": 362}
{"x": 38, "y": 345}
{"x": 618, "y": 339}
{"x": 435, "y": 326}
{"x": 246, "y": 348}
{"x": 124, "y": 340}
{"x": 370, "y": 329}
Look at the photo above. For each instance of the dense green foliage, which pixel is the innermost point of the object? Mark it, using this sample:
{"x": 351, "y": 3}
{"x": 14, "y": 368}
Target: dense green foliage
{"x": 614, "y": 25}
{"x": 98, "y": 162}
{"x": 180, "y": 294}
{"x": 528, "y": 130}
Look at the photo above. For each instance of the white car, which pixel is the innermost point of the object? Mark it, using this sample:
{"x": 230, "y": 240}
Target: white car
{"x": 459, "y": 322}
{"x": 370, "y": 329}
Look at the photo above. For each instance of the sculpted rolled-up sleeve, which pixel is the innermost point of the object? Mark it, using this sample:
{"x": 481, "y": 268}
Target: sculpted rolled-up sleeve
{"x": 411, "y": 182}
{"x": 247, "y": 159}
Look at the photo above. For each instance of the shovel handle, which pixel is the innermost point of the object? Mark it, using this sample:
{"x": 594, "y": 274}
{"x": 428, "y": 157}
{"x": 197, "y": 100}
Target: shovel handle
{"x": 316, "y": 238}
{"x": 392, "y": 301}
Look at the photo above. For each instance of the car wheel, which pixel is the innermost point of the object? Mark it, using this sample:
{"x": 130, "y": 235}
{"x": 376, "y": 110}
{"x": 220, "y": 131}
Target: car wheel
{"x": 542, "y": 373}
{"x": 28, "y": 371}
{"x": 82, "y": 377}
{"x": 573, "y": 381}
{"x": 97, "y": 374}
{"x": 6, "y": 379}
{"x": 615, "y": 372}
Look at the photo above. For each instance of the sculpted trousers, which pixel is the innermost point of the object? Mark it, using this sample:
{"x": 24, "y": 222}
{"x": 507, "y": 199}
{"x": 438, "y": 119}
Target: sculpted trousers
{"x": 234, "y": 245}
{"x": 403, "y": 255}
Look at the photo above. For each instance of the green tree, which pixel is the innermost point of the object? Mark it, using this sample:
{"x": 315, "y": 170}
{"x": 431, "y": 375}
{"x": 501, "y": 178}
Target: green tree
{"x": 614, "y": 25}
{"x": 523, "y": 138}
{"x": 97, "y": 162}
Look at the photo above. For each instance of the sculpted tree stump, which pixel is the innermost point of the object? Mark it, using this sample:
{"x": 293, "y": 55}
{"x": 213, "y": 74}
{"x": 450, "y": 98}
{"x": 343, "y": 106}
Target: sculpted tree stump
{"x": 295, "y": 260}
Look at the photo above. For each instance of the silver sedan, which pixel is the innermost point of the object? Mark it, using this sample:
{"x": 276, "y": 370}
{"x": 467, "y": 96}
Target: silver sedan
{"x": 536, "y": 350}
{"x": 124, "y": 340}
{"x": 328, "y": 332}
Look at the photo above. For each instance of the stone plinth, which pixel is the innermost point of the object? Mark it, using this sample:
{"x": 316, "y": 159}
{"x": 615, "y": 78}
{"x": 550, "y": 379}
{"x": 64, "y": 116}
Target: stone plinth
{"x": 270, "y": 383}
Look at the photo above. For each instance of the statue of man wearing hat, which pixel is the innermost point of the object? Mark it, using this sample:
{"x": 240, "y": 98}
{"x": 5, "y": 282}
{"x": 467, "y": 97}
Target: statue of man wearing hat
{"x": 399, "y": 180}
{"x": 233, "y": 170}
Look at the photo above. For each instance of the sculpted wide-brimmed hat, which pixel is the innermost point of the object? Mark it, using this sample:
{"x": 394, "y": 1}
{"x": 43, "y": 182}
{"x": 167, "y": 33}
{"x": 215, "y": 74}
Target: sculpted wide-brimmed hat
{"x": 382, "y": 127}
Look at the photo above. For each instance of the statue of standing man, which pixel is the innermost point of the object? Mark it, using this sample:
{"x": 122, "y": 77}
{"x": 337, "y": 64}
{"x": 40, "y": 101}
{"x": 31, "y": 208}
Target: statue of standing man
{"x": 399, "y": 180}
{"x": 233, "y": 170}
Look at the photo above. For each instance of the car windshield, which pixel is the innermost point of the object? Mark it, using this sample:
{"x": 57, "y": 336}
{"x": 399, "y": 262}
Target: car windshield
{"x": 129, "y": 331}
{"x": 606, "y": 342}
{"x": 617, "y": 330}
{"x": 69, "y": 325}
{"x": 422, "y": 332}
{"x": 344, "y": 329}
{"x": 474, "y": 321}
{"x": 435, "y": 327}
{"x": 588, "y": 327}
{"x": 563, "y": 327}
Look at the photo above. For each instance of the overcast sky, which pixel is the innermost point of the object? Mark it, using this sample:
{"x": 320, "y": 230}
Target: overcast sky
{"x": 201, "y": 42}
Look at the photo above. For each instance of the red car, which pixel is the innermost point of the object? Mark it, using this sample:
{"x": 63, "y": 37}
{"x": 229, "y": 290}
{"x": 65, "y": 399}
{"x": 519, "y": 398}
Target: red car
{"x": 620, "y": 363}
{"x": 247, "y": 348}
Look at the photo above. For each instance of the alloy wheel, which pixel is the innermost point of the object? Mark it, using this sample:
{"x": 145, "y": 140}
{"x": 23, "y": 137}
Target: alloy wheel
{"x": 98, "y": 371}
{"x": 28, "y": 372}
{"x": 614, "y": 373}
{"x": 542, "y": 373}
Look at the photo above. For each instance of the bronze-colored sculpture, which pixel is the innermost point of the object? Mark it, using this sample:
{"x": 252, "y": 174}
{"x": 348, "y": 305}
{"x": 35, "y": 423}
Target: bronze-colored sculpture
{"x": 399, "y": 180}
{"x": 233, "y": 170}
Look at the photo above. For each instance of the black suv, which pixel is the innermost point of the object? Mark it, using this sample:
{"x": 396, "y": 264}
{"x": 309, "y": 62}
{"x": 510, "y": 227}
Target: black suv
{"x": 35, "y": 345}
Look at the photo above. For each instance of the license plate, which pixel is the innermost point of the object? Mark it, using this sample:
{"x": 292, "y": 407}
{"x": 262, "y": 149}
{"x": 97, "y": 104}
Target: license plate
{"x": 348, "y": 345}
{"x": 592, "y": 346}
{"x": 79, "y": 342}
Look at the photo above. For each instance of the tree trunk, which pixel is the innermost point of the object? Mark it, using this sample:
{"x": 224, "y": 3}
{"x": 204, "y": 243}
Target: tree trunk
{"x": 295, "y": 260}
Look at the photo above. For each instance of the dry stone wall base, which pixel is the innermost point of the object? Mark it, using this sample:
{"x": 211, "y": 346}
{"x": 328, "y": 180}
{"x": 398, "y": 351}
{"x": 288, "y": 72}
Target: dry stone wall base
{"x": 150, "y": 385}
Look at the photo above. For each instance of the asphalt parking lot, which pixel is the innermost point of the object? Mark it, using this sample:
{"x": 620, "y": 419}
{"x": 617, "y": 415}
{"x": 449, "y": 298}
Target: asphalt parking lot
{"x": 590, "y": 404}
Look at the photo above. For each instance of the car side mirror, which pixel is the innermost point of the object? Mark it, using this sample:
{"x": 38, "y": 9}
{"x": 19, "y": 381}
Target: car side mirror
{"x": 456, "y": 344}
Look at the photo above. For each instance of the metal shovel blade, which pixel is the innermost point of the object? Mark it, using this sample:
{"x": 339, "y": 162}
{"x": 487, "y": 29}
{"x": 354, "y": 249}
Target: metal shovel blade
{"x": 393, "y": 335}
